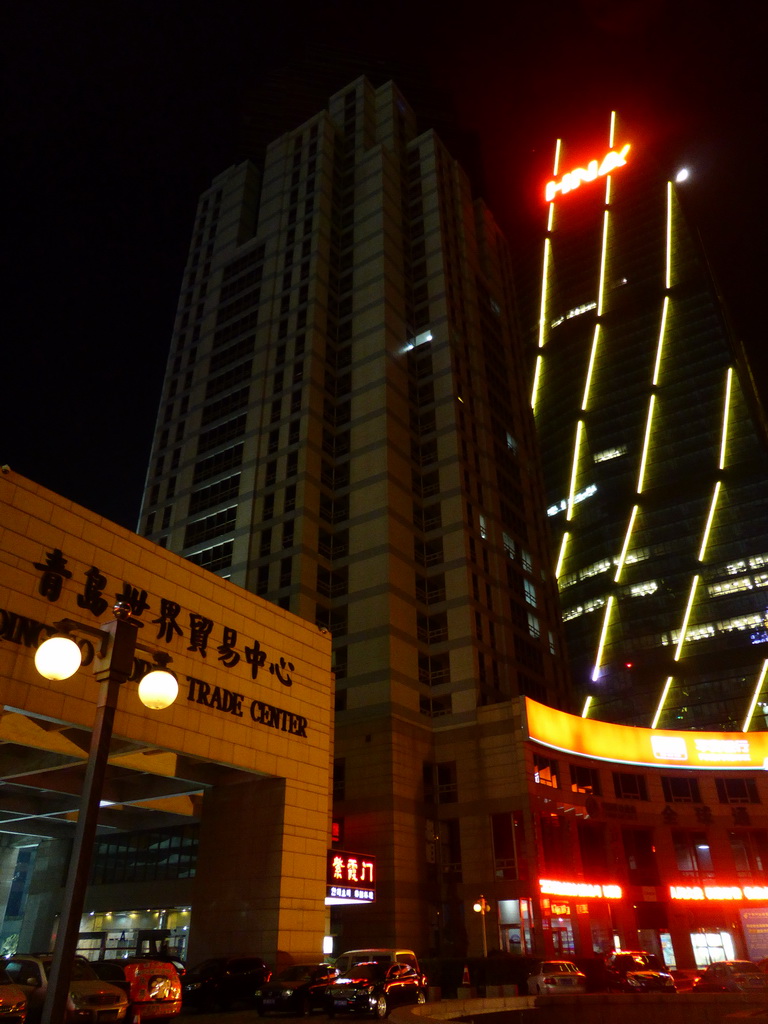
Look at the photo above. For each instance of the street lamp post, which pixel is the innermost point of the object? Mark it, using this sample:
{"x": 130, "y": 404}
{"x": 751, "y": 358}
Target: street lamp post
{"x": 112, "y": 667}
{"x": 482, "y": 907}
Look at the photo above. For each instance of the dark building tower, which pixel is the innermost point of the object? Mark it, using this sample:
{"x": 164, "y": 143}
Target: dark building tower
{"x": 346, "y": 431}
{"x": 656, "y": 476}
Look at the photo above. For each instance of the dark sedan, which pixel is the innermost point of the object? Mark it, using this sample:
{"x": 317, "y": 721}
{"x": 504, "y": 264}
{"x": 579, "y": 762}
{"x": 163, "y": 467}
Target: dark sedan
{"x": 372, "y": 988}
{"x": 732, "y": 976}
{"x": 223, "y": 981}
{"x": 298, "y": 990}
{"x": 637, "y": 971}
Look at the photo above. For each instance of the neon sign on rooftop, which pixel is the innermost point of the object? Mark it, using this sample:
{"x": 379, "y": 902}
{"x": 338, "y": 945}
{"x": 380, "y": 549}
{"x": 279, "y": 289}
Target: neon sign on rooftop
{"x": 594, "y": 169}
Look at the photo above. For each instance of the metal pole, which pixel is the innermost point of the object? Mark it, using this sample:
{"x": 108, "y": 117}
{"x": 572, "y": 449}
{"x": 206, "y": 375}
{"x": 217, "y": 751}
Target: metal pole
{"x": 111, "y": 671}
{"x": 483, "y": 912}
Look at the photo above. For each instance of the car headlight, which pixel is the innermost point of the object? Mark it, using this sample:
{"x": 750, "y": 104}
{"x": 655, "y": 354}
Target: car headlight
{"x": 287, "y": 993}
{"x": 192, "y": 986}
{"x": 634, "y": 981}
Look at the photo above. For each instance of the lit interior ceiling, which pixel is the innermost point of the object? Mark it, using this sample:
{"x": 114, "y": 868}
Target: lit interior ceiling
{"x": 42, "y": 768}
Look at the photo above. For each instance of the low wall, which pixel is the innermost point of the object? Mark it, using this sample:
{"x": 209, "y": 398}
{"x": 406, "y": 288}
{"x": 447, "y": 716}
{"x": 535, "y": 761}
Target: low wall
{"x": 599, "y": 1008}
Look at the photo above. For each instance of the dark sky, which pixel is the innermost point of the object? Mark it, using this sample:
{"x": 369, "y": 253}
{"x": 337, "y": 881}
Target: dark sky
{"x": 119, "y": 113}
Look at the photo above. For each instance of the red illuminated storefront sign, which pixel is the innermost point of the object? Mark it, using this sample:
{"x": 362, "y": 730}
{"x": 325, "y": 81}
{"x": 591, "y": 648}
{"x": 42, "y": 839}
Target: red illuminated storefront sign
{"x": 350, "y": 877}
{"x": 594, "y": 169}
{"x": 583, "y": 890}
{"x": 718, "y": 892}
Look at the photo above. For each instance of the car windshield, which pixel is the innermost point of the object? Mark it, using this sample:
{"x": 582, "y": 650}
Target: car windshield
{"x": 558, "y": 967}
{"x": 638, "y": 961}
{"x": 366, "y": 972}
{"x": 299, "y": 972}
{"x": 81, "y": 971}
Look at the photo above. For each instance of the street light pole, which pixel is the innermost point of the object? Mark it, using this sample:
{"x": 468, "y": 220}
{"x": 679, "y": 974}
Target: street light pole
{"x": 113, "y": 666}
{"x": 482, "y": 907}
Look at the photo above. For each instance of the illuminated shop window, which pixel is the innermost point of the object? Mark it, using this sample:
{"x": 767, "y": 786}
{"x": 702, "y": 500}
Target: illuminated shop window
{"x": 576, "y": 311}
{"x": 583, "y": 609}
{"x": 610, "y": 453}
{"x": 561, "y": 506}
{"x": 545, "y": 771}
{"x": 643, "y": 589}
{"x": 585, "y": 780}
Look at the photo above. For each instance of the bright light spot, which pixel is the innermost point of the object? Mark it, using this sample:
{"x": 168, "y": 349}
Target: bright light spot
{"x": 682, "y": 174}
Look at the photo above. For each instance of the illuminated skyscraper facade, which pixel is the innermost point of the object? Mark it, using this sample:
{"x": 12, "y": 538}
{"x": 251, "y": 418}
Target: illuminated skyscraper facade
{"x": 345, "y": 430}
{"x": 654, "y": 457}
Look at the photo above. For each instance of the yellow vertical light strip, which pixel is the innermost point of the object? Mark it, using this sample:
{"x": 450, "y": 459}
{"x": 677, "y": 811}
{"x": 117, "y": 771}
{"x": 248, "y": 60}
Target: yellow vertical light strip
{"x": 574, "y": 469}
{"x": 561, "y": 556}
{"x": 755, "y": 695}
{"x": 587, "y": 702}
{"x": 588, "y": 381}
{"x": 555, "y": 171}
{"x": 543, "y": 306}
{"x": 603, "y": 635}
{"x": 726, "y": 414}
{"x": 684, "y": 627}
{"x": 662, "y": 701}
{"x": 625, "y": 546}
{"x": 611, "y": 134}
{"x": 646, "y": 442}
{"x": 668, "y": 276}
{"x": 536, "y": 378}
{"x": 660, "y": 343}
{"x": 601, "y": 283}
{"x": 710, "y": 517}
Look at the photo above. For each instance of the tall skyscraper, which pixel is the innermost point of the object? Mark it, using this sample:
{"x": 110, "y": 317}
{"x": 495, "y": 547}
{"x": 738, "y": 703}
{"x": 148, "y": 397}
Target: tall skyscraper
{"x": 346, "y": 430}
{"x": 654, "y": 452}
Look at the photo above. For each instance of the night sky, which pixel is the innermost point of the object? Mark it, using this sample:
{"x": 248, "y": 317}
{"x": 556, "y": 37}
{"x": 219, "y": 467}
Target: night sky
{"x": 118, "y": 114}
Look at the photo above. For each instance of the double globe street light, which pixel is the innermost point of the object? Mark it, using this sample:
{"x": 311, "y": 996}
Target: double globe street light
{"x": 58, "y": 658}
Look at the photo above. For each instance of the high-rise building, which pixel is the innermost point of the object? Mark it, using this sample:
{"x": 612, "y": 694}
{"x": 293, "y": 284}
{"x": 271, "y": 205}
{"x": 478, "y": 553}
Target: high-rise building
{"x": 346, "y": 430}
{"x": 653, "y": 448}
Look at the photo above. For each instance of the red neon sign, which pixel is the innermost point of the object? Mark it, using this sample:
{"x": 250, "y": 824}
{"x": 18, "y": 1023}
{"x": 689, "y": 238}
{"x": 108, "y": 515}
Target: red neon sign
{"x": 718, "y": 892}
{"x": 550, "y": 887}
{"x": 594, "y": 169}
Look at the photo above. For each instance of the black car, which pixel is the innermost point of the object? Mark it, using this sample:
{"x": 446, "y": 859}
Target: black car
{"x": 374, "y": 989}
{"x": 223, "y": 981}
{"x": 298, "y": 990}
{"x": 637, "y": 971}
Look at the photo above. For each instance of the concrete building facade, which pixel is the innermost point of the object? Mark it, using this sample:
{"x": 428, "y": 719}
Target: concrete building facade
{"x": 245, "y": 750}
{"x": 345, "y": 430}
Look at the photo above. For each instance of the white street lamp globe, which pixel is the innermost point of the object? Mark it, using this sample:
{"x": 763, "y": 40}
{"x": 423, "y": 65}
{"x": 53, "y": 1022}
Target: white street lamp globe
{"x": 158, "y": 689}
{"x": 58, "y": 657}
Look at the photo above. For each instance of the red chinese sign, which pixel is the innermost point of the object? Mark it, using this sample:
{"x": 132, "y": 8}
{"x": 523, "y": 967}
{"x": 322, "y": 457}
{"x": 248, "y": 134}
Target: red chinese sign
{"x": 351, "y": 877}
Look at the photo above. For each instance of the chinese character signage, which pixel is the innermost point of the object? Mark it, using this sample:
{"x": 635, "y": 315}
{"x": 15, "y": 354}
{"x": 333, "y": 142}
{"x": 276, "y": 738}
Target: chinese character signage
{"x": 351, "y": 878}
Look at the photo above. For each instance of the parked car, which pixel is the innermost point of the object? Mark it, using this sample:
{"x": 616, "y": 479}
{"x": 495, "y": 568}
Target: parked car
{"x": 13, "y": 1001}
{"x": 153, "y": 987}
{"x": 596, "y": 972}
{"x": 732, "y": 976}
{"x": 298, "y": 990}
{"x": 375, "y": 988}
{"x": 685, "y": 977}
{"x": 379, "y": 956}
{"x": 222, "y": 981}
{"x": 632, "y": 970}
{"x": 90, "y": 999}
{"x": 554, "y": 977}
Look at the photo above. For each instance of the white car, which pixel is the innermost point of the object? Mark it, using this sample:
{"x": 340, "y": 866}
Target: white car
{"x": 556, "y": 977}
